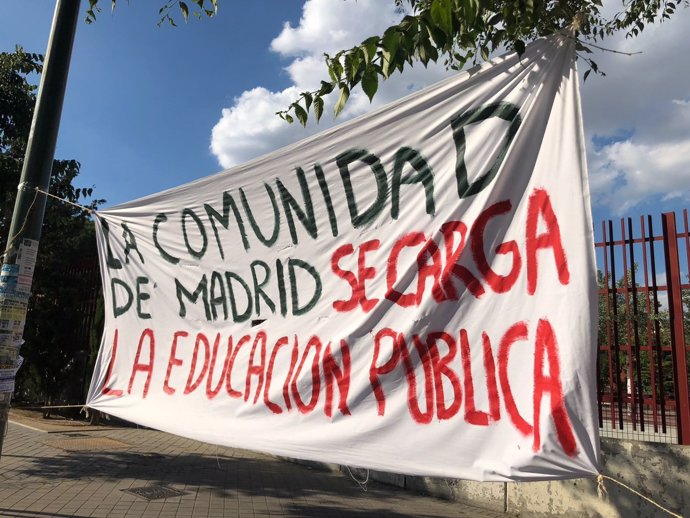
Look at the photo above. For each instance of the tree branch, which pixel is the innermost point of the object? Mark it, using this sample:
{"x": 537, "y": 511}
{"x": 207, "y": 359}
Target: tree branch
{"x": 612, "y": 50}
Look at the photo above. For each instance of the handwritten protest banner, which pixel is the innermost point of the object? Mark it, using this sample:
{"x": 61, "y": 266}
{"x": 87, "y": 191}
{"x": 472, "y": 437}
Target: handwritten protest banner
{"x": 410, "y": 291}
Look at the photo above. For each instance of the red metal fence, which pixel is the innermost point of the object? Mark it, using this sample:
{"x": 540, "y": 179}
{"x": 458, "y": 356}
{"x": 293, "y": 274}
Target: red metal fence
{"x": 644, "y": 328}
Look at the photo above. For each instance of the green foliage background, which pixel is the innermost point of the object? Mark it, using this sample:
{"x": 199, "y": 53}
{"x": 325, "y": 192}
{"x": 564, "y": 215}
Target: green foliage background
{"x": 55, "y": 355}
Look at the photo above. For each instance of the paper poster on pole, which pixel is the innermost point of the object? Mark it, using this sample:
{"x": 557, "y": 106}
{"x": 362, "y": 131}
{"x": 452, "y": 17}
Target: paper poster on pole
{"x": 410, "y": 291}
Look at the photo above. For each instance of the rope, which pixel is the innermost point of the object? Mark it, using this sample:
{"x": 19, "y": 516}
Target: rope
{"x": 28, "y": 212}
{"x": 48, "y": 407}
{"x": 602, "y": 492}
{"x": 82, "y": 207}
{"x": 361, "y": 484}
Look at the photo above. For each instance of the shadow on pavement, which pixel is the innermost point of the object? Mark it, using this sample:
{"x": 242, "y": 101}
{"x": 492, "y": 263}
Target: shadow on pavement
{"x": 328, "y": 494}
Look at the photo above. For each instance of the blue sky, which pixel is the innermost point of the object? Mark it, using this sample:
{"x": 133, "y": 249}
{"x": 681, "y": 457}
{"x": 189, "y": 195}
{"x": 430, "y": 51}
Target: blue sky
{"x": 141, "y": 100}
{"x": 150, "y": 108}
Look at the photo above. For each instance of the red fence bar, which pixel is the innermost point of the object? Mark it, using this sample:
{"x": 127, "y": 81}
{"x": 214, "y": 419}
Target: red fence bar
{"x": 649, "y": 344}
{"x": 675, "y": 303}
{"x": 600, "y": 389}
{"x": 636, "y": 391}
{"x": 626, "y": 374}
{"x": 657, "y": 329}
{"x": 616, "y": 381}
{"x": 687, "y": 242}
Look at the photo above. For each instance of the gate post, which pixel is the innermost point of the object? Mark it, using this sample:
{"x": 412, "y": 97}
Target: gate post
{"x": 675, "y": 306}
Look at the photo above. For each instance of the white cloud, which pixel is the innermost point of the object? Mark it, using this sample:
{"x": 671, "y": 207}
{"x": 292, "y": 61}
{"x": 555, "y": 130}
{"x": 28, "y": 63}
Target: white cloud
{"x": 637, "y": 119}
{"x": 250, "y": 128}
{"x": 328, "y": 26}
{"x": 625, "y": 173}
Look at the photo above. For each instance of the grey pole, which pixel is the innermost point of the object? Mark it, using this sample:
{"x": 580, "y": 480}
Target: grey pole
{"x": 25, "y": 231}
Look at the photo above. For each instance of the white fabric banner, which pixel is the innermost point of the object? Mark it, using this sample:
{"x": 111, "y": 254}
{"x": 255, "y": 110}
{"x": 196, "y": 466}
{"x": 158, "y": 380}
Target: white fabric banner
{"x": 411, "y": 291}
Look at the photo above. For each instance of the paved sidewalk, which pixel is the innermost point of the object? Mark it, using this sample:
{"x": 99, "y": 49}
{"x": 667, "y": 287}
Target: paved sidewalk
{"x": 67, "y": 469}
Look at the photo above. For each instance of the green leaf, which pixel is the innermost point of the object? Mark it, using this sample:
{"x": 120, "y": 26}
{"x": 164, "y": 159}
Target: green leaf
{"x": 370, "y": 82}
{"x": 335, "y": 68}
{"x": 586, "y": 75}
{"x": 484, "y": 52}
{"x": 442, "y": 16}
{"x": 369, "y": 47}
{"x": 431, "y": 50}
{"x": 351, "y": 67}
{"x": 331, "y": 71}
{"x": 441, "y": 39}
{"x": 391, "y": 42}
{"x": 307, "y": 100}
{"x": 347, "y": 66}
{"x": 91, "y": 11}
{"x": 318, "y": 107}
{"x": 185, "y": 10}
{"x": 326, "y": 88}
{"x": 289, "y": 118}
{"x": 497, "y": 38}
{"x": 519, "y": 47}
{"x": 529, "y": 5}
{"x": 582, "y": 48}
{"x": 342, "y": 100}
{"x": 387, "y": 65}
{"x": 300, "y": 113}
{"x": 495, "y": 19}
{"x": 169, "y": 19}
{"x": 471, "y": 8}
{"x": 359, "y": 64}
